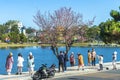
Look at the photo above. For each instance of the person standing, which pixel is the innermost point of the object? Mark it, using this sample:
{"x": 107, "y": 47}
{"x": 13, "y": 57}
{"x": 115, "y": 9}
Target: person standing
{"x": 80, "y": 61}
{"x": 93, "y": 53}
{"x": 30, "y": 63}
{"x": 100, "y": 58}
{"x": 9, "y": 63}
{"x": 72, "y": 59}
{"x": 114, "y": 58}
{"x": 20, "y": 61}
{"x": 65, "y": 60}
{"x": 89, "y": 58}
{"x": 61, "y": 61}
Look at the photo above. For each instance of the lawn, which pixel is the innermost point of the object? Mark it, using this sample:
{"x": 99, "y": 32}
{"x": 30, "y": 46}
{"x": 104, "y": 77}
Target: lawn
{"x": 35, "y": 44}
{"x": 17, "y": 45}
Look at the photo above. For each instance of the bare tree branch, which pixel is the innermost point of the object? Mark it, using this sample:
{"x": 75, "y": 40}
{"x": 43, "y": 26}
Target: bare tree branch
{"x": 60, "y": 27}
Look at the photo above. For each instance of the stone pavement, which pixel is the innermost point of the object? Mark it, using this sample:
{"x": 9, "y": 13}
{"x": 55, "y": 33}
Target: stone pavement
{"x": 90, "y": 73}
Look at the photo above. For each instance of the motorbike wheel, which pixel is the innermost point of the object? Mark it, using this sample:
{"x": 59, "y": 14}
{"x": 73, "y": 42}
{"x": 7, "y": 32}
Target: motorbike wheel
{"x": 36, "y": 76}
{"x": 51, "y": 75}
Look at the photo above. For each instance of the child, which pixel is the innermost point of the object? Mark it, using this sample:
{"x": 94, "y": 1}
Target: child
{"x": 31, "y": 64}
{"x": 114, "y": 58}
{"x": 9, "y": 63}
{"x": 100, "y": 58}
{"x": 20, "y": 64}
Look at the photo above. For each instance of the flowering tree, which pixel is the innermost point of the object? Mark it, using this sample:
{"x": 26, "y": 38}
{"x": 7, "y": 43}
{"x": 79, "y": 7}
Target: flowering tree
{"x": 60, "y": 27}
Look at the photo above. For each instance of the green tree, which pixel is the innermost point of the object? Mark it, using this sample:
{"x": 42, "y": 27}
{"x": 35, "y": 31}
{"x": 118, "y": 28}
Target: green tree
{"x": 22, "y": 38}
{"x": 12, "y": 29}
{"x": 3, "y": 30}
{"x": 14, "y": 37}
{"x": 30, "y": 30}
{"x": 15, "y": 29}
{"x": 93, "y": 33}
{"x": 115, "y": 15}
{"x": 4, "y": 36}
{"x": 110, "y": 30}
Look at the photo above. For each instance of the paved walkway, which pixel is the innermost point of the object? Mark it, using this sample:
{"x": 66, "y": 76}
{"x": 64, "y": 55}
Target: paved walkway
{"x": 107, "y": 75}
{"x": 90, "y": 73}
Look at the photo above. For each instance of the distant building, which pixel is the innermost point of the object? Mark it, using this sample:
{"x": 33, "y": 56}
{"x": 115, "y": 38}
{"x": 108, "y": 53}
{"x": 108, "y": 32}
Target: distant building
{"x": 21, "y": 28}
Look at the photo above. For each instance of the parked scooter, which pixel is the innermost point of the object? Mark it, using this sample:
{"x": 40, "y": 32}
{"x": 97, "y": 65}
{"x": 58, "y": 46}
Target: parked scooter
{"x": 44, "y": 72}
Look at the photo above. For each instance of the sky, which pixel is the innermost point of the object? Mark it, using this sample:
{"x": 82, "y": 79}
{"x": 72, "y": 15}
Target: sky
{"x": 24, "y": 10}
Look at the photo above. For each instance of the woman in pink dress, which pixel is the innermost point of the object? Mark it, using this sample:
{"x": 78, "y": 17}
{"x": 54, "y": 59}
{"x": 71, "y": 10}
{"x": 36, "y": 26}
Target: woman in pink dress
{"x": 9, "y": 63}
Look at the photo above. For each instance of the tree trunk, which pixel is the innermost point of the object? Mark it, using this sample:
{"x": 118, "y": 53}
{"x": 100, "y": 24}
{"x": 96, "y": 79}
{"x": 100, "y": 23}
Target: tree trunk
{"x": 55, "y": 50}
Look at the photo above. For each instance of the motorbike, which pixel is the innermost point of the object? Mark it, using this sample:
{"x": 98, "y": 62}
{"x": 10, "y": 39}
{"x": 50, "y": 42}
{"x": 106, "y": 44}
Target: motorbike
{"x": 44, "y": 72}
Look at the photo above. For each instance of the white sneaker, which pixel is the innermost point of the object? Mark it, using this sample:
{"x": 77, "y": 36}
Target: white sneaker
{"x": 9, "y": 73}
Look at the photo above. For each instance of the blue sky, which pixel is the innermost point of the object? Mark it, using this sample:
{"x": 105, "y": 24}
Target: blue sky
{"x": 24, "y": 10}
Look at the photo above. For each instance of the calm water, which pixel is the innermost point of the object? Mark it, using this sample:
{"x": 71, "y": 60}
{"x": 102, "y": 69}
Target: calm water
{"x": 44, "y": 55}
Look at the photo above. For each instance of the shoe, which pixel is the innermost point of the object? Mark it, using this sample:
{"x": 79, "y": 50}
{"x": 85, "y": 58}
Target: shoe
{"x": 9, "y": 73}
{"x": 107, "y": 68}
{"x": 64, "y": 71}
{"x": 17, "y": 73}
{"x": 20, "y": 73}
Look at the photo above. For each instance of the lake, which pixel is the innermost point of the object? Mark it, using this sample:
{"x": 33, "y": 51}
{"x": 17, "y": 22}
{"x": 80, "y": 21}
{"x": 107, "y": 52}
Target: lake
{"x": 44, "y": 55}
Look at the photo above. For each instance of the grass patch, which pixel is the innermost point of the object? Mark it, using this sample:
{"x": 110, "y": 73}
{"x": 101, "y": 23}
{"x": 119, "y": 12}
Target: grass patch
{"x": 17, "y": 45}
{"x": 35, "y": 44}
